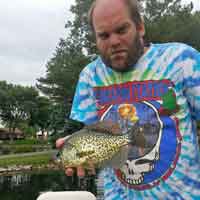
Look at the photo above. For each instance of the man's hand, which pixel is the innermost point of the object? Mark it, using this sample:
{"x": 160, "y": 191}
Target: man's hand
{"x": 60, "y": 142}
{"x": 81, "y": 172}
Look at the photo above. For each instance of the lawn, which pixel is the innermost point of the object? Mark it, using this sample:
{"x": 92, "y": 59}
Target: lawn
{"x": 35, "y": 160}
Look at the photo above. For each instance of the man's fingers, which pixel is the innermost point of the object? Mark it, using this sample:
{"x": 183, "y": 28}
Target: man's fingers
{"x": 91, "y": 170}
{"x": 80, "y": 171}
{"x": 69, "y": 172}
{"x": 60, "y": 142}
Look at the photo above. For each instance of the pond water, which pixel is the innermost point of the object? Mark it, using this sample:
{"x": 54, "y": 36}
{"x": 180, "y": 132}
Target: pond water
{"x": 28, "y": 186}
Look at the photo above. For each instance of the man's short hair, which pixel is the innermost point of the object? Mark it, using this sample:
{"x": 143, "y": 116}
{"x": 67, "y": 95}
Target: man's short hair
{"x": 133, "y": 8}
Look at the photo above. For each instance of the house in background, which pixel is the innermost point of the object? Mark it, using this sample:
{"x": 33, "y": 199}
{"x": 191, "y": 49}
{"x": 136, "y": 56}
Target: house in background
{"x": 42, "y": 135}
{"x": 5, "y": 134}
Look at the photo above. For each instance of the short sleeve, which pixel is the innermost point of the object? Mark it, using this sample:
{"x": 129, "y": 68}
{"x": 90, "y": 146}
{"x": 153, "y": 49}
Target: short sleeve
{"x": 191, "y": 80}
{"x": 84, "y": 106}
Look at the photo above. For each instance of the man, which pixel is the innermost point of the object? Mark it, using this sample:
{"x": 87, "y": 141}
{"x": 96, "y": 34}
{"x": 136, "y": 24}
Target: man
{"x": 154, "y": 88}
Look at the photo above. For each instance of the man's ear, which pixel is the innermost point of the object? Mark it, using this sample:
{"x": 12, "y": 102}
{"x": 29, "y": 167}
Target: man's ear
{"x": 141, "y": 29}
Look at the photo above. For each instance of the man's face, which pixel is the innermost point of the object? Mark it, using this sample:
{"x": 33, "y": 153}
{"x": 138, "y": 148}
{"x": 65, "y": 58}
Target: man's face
{"x": 118, "y": 40}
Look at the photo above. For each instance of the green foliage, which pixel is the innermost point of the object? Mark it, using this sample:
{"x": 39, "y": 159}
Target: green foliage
{"x": 23, "y": 108}
{"x": 155, "y": 9}
{"x": 57, "y": 118}
{"x": 60, "y": 81}
{"x": 24, "y": 146}
{"x": 41, "y": 113}
{"x": 27, "y": 129}
{"x": 28, "y": 148}
{"x": 34, "y": 160}
{"x": 27, "y": 142}
{"x": 16, "y": 103}
{"x": 79, "y": 27}
{"x": 170, "y": 21}
{"x": 62, "y": 74}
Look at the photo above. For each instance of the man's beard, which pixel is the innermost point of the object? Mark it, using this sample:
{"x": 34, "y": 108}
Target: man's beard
{"x": 135, "y": 51}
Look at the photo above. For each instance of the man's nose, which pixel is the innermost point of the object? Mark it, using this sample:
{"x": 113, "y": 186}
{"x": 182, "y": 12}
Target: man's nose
{"x": 114, "y": 40}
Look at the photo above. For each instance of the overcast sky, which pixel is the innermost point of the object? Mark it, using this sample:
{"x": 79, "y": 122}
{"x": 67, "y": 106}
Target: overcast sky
{"x": 29, "y": 33}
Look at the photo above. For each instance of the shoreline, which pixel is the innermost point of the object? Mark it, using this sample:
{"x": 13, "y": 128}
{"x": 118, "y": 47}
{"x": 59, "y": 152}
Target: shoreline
{"x": 13, "y": 169}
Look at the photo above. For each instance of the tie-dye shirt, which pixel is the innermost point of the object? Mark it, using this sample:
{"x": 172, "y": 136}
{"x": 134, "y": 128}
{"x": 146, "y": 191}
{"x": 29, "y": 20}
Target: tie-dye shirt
{"x": 160, "y": 96}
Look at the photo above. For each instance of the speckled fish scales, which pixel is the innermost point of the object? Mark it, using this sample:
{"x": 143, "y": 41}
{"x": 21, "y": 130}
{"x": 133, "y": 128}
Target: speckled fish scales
{"x": 86, "y": 146}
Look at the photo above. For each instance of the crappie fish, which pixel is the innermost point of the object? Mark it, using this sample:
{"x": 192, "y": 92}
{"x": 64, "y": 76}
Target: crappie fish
{"x": 98, "y": 144}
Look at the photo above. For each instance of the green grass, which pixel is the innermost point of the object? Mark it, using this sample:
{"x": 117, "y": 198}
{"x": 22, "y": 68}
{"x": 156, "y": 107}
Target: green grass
{"x": 34, "y": 160}
{"x": 26, "y": 142}
{"x": 23, "y": 148}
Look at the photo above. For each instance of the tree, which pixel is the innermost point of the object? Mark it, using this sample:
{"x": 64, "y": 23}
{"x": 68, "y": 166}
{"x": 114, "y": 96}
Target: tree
{"x": 80, "y": 29}
{"x": 41, "y": 115}
{"x": 16, "y": 103}
{"x": 57, "y": 118}
{"x": 62, "y": 74}
{"x": 154, "y": 10}
{"x": 169, "y": 20}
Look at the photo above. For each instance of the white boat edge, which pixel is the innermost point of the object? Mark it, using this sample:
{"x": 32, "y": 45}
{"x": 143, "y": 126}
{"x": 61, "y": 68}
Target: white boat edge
{"x": 67, "y": 195}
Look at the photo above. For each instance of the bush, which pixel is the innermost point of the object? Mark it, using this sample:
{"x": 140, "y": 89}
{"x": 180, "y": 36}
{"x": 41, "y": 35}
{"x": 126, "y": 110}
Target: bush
{"x": 4, "y": 150}
{"x": 22, "y": 148}
{"x": 30, "y": 141}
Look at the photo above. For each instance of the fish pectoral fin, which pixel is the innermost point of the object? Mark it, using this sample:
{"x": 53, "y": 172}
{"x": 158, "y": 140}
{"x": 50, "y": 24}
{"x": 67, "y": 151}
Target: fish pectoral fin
{"x": 83, "y": 160}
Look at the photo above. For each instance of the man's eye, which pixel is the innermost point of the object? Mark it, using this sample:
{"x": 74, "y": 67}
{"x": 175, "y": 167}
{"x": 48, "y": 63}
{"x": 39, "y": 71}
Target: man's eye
{"x": 103, "y": 36}
{"x": 121, "y": 30}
